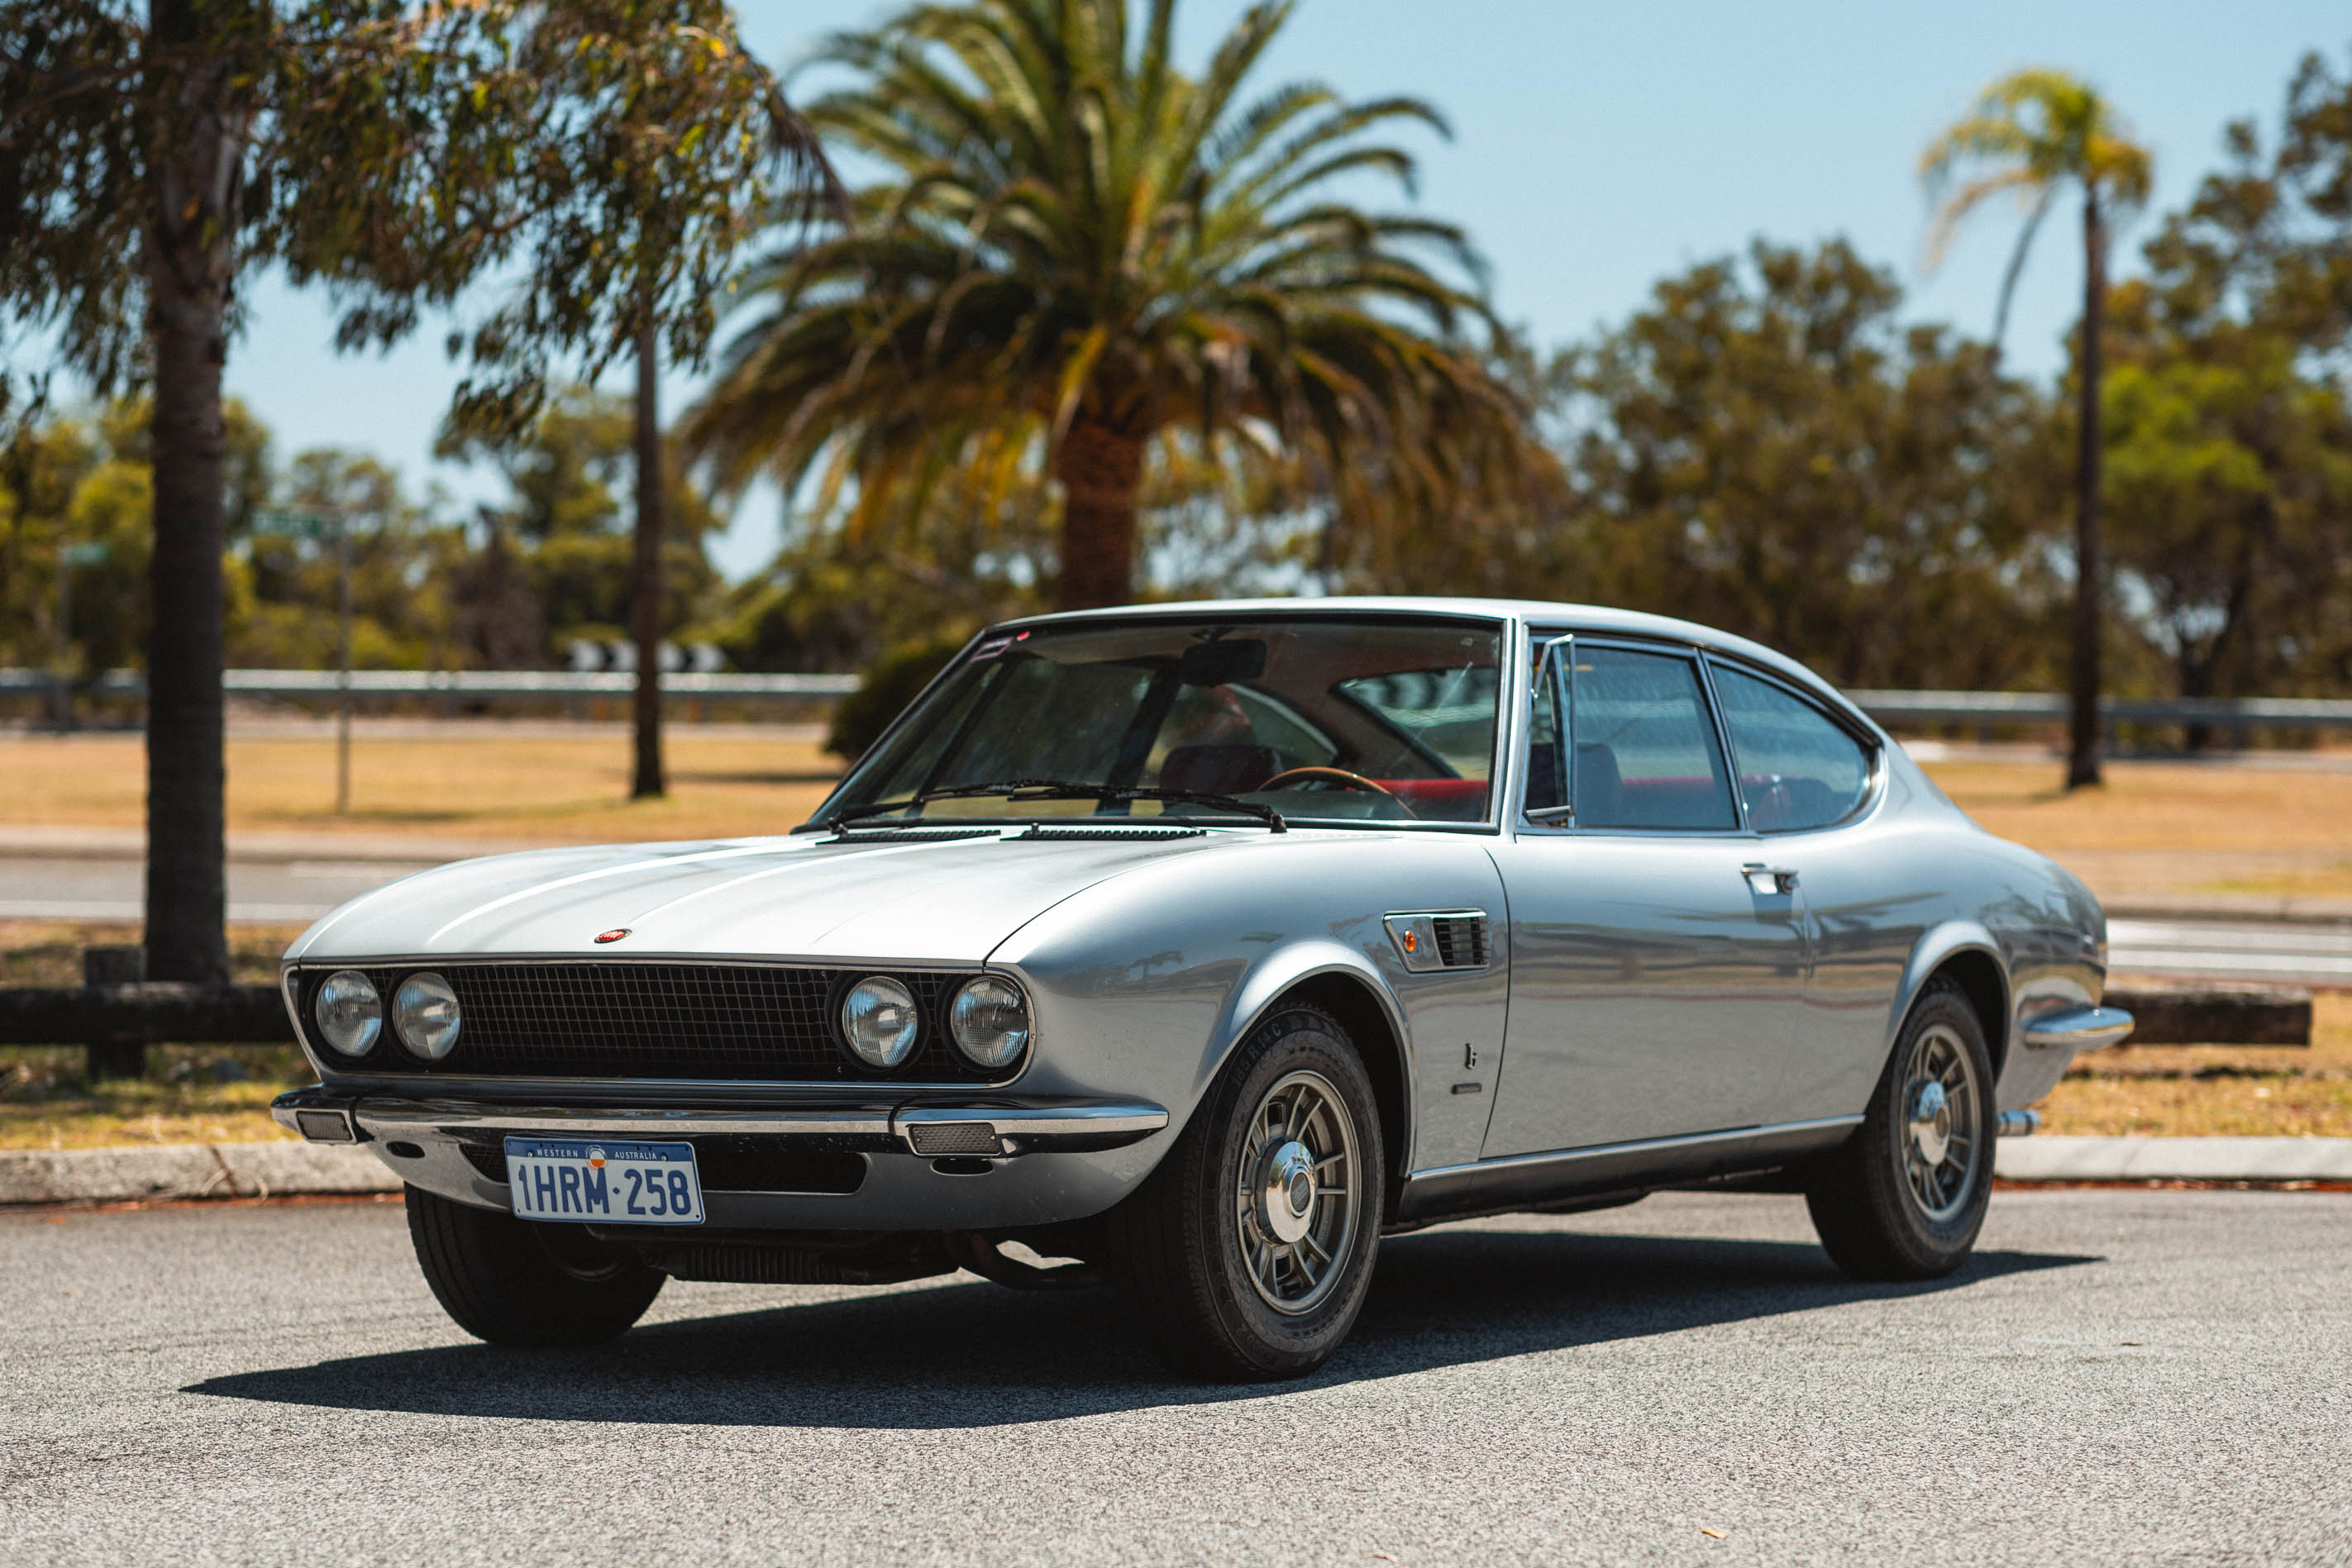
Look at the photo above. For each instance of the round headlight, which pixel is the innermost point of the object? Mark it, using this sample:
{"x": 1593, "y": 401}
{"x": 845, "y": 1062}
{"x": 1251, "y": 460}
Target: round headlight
{"x": 425, "y": 1012}
{"x": 350, "y": 1013}
{"x": 878, "y": 1019}
{"x": 991, "y": 1022}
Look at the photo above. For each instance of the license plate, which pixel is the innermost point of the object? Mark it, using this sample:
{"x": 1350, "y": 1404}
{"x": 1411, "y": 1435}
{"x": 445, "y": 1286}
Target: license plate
{"x": 604, "y": 1183}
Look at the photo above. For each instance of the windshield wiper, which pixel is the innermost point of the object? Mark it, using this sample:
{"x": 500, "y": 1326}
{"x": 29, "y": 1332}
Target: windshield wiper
{"x": 1019, "y": 790}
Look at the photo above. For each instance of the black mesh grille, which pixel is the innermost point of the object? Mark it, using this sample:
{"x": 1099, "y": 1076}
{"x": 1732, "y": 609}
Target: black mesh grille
{"x": 654, "y": 1020}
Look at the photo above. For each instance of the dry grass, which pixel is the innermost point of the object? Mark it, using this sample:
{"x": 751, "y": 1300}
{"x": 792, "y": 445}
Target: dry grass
{"x": 534, "y": 786}
{"x": 191, "y": 1094}
{"x": 2206, "y": 1091}
{"x": 2172, "y": 829}
{"x": 2156, "y": 806}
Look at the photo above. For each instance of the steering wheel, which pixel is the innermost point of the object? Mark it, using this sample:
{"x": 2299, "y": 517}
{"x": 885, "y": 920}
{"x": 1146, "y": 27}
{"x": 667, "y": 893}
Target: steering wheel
{"x": 1340, "y": 776}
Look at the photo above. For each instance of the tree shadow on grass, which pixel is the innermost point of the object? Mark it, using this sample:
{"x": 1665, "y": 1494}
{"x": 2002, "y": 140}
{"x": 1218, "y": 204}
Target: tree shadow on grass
{"x": 971, "y": 1354}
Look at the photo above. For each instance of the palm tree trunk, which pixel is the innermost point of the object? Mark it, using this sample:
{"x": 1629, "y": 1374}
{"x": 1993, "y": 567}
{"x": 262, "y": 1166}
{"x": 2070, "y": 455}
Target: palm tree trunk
{"x": 1101, "y": 471}
{"x": 645, "y": 573}
{"x": 2090, "y": 572}
{"x": 189, "y": 263}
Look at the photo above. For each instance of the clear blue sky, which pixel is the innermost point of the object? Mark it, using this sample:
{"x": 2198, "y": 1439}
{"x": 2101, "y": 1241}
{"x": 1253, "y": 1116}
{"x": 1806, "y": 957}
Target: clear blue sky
{"x": 1597, "y": 148}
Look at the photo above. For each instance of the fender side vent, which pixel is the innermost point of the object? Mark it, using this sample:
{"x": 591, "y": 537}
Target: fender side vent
{"x": 1461, "y": 940}
{"x": 1442, "y": 939}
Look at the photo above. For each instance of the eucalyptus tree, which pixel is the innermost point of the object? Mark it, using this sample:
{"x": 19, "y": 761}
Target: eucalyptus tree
{"x": 2034, "y": 134}
{"x": 2229, "y": 462}
{"x": 1077, "y": 249}
{"x": 662, "y": 145}
{"x": 154, "y": 156}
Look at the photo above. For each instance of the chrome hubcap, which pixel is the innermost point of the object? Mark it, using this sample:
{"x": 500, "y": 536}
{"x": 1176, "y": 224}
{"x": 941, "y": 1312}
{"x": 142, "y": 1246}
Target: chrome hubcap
{"x": 1286, "y": 1190}
{"x": 1296, "y": 1193}
{"x": 1931, "y": 1121}
{"x": 1942, "y": 1116}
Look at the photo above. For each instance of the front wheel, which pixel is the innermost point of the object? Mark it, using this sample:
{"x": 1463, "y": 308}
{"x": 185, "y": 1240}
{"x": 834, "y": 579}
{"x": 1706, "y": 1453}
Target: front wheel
{"x": 510, "y": 1281}
{"x": 1906, "y": 1195}
{"x": 1247, "y": 1253}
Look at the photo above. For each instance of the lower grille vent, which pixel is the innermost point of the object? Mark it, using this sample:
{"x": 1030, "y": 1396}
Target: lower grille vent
{"x": 741, "y": 1263}
{"x": 954, "y": 1138}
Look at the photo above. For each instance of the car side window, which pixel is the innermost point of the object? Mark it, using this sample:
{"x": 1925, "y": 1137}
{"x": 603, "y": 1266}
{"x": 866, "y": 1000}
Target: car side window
{"x": 1798, "y": 769}
{"x": 1645, "y": 754}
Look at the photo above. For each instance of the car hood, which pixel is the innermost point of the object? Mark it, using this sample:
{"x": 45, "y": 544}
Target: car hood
{"x": 949, "y": 901}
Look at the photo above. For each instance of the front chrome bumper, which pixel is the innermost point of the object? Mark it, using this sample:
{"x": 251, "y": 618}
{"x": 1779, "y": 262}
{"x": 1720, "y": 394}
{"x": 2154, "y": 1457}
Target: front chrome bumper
{"x": 1000, "y": 1130}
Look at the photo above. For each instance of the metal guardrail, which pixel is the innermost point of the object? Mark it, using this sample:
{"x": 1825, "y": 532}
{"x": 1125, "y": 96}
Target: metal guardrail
{"x": 2049, "y": 707}
{"x": 1886, "y": 706}
{"x": 468, "y": 684}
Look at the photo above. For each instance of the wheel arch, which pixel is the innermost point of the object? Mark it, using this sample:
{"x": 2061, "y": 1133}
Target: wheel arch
{"x": 1342, "y": 984}
{"x": 1966, "y": 953}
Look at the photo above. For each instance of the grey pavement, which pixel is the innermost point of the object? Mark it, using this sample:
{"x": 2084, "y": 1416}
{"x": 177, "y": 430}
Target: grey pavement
{"x": 2124, "y": 1377}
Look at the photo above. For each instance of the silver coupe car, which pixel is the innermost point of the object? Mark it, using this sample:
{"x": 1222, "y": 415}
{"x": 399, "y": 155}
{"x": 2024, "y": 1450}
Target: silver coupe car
{"x": 1192, "y": 949}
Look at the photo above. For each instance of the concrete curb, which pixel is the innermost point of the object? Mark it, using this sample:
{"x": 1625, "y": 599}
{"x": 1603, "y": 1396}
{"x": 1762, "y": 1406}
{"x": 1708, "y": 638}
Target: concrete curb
{"x": 2059, "y": 1158}
{"x": 178, "y": 1171}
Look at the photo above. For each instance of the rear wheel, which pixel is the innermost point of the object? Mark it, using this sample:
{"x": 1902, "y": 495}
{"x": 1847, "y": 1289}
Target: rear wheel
{"x": 1906, "y": 1195}
{"x": 1246, "y": 1255}
{"x": 509, "y": 1281}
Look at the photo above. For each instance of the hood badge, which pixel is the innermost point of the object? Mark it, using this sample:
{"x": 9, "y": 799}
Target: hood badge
{"x": 613, "y": 935}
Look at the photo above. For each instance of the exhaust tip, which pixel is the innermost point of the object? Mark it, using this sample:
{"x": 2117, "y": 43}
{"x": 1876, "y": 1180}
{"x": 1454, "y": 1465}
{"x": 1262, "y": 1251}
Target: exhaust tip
{"x": 2017, "y": 1124}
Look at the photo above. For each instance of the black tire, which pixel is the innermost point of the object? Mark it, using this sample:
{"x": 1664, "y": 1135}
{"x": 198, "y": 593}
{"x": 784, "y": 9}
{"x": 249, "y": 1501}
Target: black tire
{"x": 509, "y": 1281}
{"x": 1883, "y": 1210}
{"x": 1177, "y": 1245}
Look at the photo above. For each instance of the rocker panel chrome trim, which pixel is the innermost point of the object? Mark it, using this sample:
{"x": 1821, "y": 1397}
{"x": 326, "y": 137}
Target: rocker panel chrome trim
{"x": 1505, "y": 1185}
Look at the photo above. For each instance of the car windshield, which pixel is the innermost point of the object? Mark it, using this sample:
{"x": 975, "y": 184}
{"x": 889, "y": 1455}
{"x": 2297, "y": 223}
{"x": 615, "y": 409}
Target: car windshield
{"x": 1320, "y": 719}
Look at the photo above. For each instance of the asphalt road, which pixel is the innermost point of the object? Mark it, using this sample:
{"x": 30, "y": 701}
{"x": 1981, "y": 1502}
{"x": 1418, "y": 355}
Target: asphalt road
{"x": 2121, "y": 1377}
{"x": 62, "y": 887}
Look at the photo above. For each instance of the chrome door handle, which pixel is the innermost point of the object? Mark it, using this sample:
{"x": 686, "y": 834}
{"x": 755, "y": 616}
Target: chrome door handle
{"x": 1770, "y": 881}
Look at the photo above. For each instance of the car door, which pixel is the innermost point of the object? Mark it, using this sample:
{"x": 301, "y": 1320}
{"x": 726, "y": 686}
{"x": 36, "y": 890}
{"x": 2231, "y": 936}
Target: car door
{"x": 1657, "y": 966}
{"x": 1808, "y": 779}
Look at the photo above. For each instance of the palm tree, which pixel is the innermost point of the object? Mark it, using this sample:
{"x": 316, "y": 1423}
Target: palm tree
{"x": 2035, "y": 132}
{"x": 1080, "y": 247}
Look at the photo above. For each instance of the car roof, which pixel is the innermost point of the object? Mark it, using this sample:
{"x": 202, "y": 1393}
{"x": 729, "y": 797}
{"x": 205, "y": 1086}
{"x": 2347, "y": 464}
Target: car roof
{"x": 1526, "y": 611}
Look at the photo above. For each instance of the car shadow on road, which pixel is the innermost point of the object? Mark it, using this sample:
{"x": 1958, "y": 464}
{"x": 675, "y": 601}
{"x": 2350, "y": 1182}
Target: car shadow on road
{"x": 972, "y": 1355}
